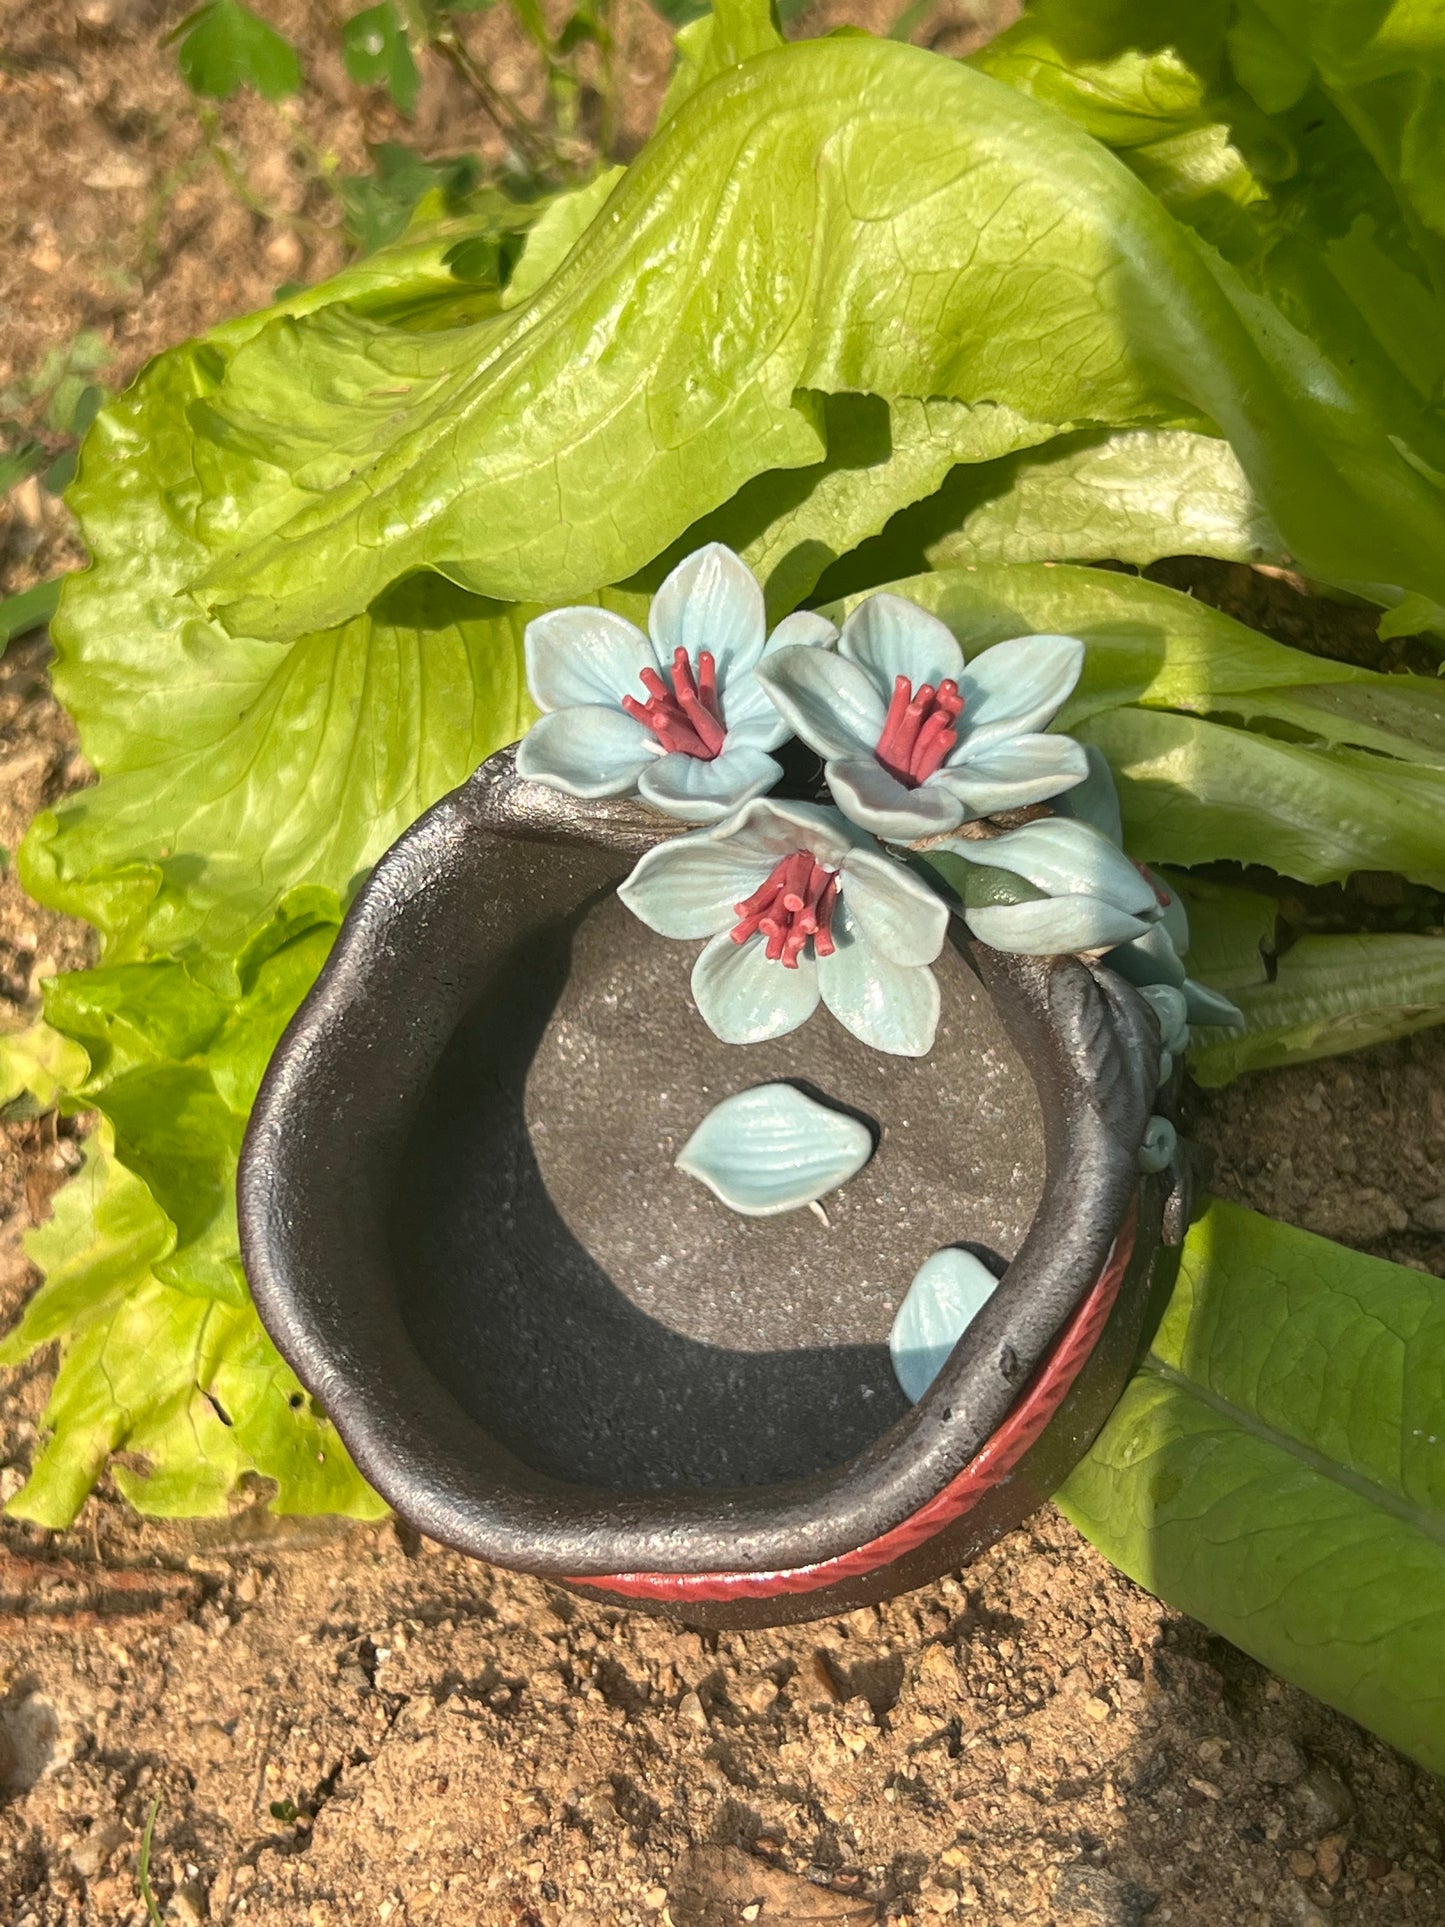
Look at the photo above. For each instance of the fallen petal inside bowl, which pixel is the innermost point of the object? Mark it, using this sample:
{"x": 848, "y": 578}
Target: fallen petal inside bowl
{"x": 774, "y": 1149}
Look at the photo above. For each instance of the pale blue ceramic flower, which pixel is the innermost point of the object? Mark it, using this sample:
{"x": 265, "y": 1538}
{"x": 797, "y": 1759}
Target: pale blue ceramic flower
{"x": 681, "y": 718}
{"x": 774, "y": 1149}
{"x": 917, "y": 741}
{"x": 1094, "y": 898}
{"x": 1154, "y": 956}
{"x": 799, "y": 906}
{"x": 948, "y": 1292}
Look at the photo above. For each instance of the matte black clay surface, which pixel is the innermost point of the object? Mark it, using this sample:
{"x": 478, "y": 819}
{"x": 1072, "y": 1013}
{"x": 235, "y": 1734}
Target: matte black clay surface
{"x": 546, "y": 1346}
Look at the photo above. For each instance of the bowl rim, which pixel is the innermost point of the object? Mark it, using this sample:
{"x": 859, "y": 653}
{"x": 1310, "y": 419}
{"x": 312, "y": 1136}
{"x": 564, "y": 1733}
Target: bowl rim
{"x": 337, "y": 1100}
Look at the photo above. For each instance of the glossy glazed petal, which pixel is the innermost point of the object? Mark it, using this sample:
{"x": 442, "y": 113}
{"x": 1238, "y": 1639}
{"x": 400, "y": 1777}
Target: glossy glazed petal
{"x": 1208, "y": 1006}
{"x": 588, "y": 751}
{"x": 1069, "y": 859}
{"x": 890, "y": 1007}
{"x": 772, "y": 1149}
{"x": 583, "y": 655}
{"x": 753, "y": 722}
{"x": 948, "y": 1292}
{"x": 711, "y": 601}
{"x": 1053, "y": 926}
{"x": 888, "y": 636}
{"x": 704, "y": 792}
{"x": 1011, "y": 772}
{"x": 826, "y": 700}
{"x": 894, "y": 909}
{"x": 767, "y": 829}
{"x": 744, "y": 999}
{"x": 1018, "y": 687}
{"x": 1095, "y": 801}
{"x": 688, "y": 887}
{"x": 1149, "y": 959}
{"x": 880, "y": 804}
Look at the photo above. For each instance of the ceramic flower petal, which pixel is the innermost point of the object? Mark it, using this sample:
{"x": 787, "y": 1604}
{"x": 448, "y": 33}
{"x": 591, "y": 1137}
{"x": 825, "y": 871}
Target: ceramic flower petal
{"x": 1208, "y": 1006}
{"x": 1149, "y": 959}
{"x": 1095, "y": 801}
{"x": 772, "y": 1149}
{"x": 895, "y": 910}
{"x": 711, "y": 601}
{"x": 753, "y": 721}
{"x": 588, "y": 751}
{"x": 826, "y": 700}
{"x": 1176, "y": 917}
{"x": 948, "y": 1292}
{"x": 1017, "y": 687}
{"x": 1012, "y": 771}
{"x": 744, "y": 999}
{"x": 583, "y": 655}
{"x": 703, "y": 792}
{"x": 879, "y": 803}
{"x": 1053, "y": 926}
{"x": 888, "y": 1006}
{"x": 688, "y": 887}
{"x": 1069, "y": 859}
{"x": 769, "y": 829}
{"x": 803, "y": 629}
{"x": 889, "y": 637}
{"x": 1171, "y": 1007}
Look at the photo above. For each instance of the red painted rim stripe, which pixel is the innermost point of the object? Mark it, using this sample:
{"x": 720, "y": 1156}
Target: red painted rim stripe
{"x": 993, "y": 1462}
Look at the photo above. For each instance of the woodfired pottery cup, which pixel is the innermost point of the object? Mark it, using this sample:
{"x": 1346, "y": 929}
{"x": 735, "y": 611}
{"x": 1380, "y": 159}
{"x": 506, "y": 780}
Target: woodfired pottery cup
{"x": 546, "y": 1346}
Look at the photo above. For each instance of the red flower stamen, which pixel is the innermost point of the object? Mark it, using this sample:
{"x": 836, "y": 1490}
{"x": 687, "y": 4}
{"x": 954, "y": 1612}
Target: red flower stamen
{"x": 687, "y": 718}
{"x": 791, "y": 908}
{"x": 919, "y": 730}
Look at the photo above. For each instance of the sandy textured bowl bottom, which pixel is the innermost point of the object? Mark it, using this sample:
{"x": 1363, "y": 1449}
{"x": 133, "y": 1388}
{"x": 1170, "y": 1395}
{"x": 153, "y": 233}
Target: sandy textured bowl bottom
{"x": 604, "y": 1315}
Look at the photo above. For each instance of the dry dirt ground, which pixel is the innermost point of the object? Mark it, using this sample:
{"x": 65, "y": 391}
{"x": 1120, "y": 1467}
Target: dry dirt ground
{"x": 338, "y": 1727}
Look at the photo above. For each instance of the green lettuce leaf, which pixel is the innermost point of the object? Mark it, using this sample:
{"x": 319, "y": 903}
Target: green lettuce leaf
{"x": 1134, "y": 496}
{"x": 188, "y": 1388}
{"x": 821, "y": 167}
{"x": 1277, "y": 1468}
{"x": 1297, "y": 144}
{"x": 238, "y": 775}
{"x": 1315, "y": 997}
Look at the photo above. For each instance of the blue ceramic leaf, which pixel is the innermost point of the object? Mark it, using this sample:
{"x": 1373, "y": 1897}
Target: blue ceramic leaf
{"x": 771, "y": 1149}
{"x": 947, "y": 1294}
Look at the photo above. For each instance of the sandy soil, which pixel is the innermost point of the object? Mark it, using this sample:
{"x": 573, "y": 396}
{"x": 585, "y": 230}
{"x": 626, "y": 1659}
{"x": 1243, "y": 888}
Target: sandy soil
{"x": 352, "y": 1726}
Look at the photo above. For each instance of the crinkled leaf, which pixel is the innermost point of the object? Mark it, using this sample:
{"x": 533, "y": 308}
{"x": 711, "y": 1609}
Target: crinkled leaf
{"x": 1275, "y": 1468}
{"x": 177, "y": 1376}
{"x": 862, "y": 155}
{"x": 37, "y": 1065}
{"x": 792, "y": 524}
{"x": 1317, "y": 997}
{"x": 1302, "y": 145}
{"x": 237, "y": 773}
{"x": 1194, "y": 791}
{"x": 1133, "y": 496}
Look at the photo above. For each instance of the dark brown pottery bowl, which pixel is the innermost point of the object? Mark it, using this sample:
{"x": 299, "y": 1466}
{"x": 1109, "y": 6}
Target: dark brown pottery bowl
{"x": 547, "y": 1347}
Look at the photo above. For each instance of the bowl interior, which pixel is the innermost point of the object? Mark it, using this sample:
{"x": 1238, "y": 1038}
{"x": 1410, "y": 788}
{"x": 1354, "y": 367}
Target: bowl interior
{"x": 604, "y": 1315}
